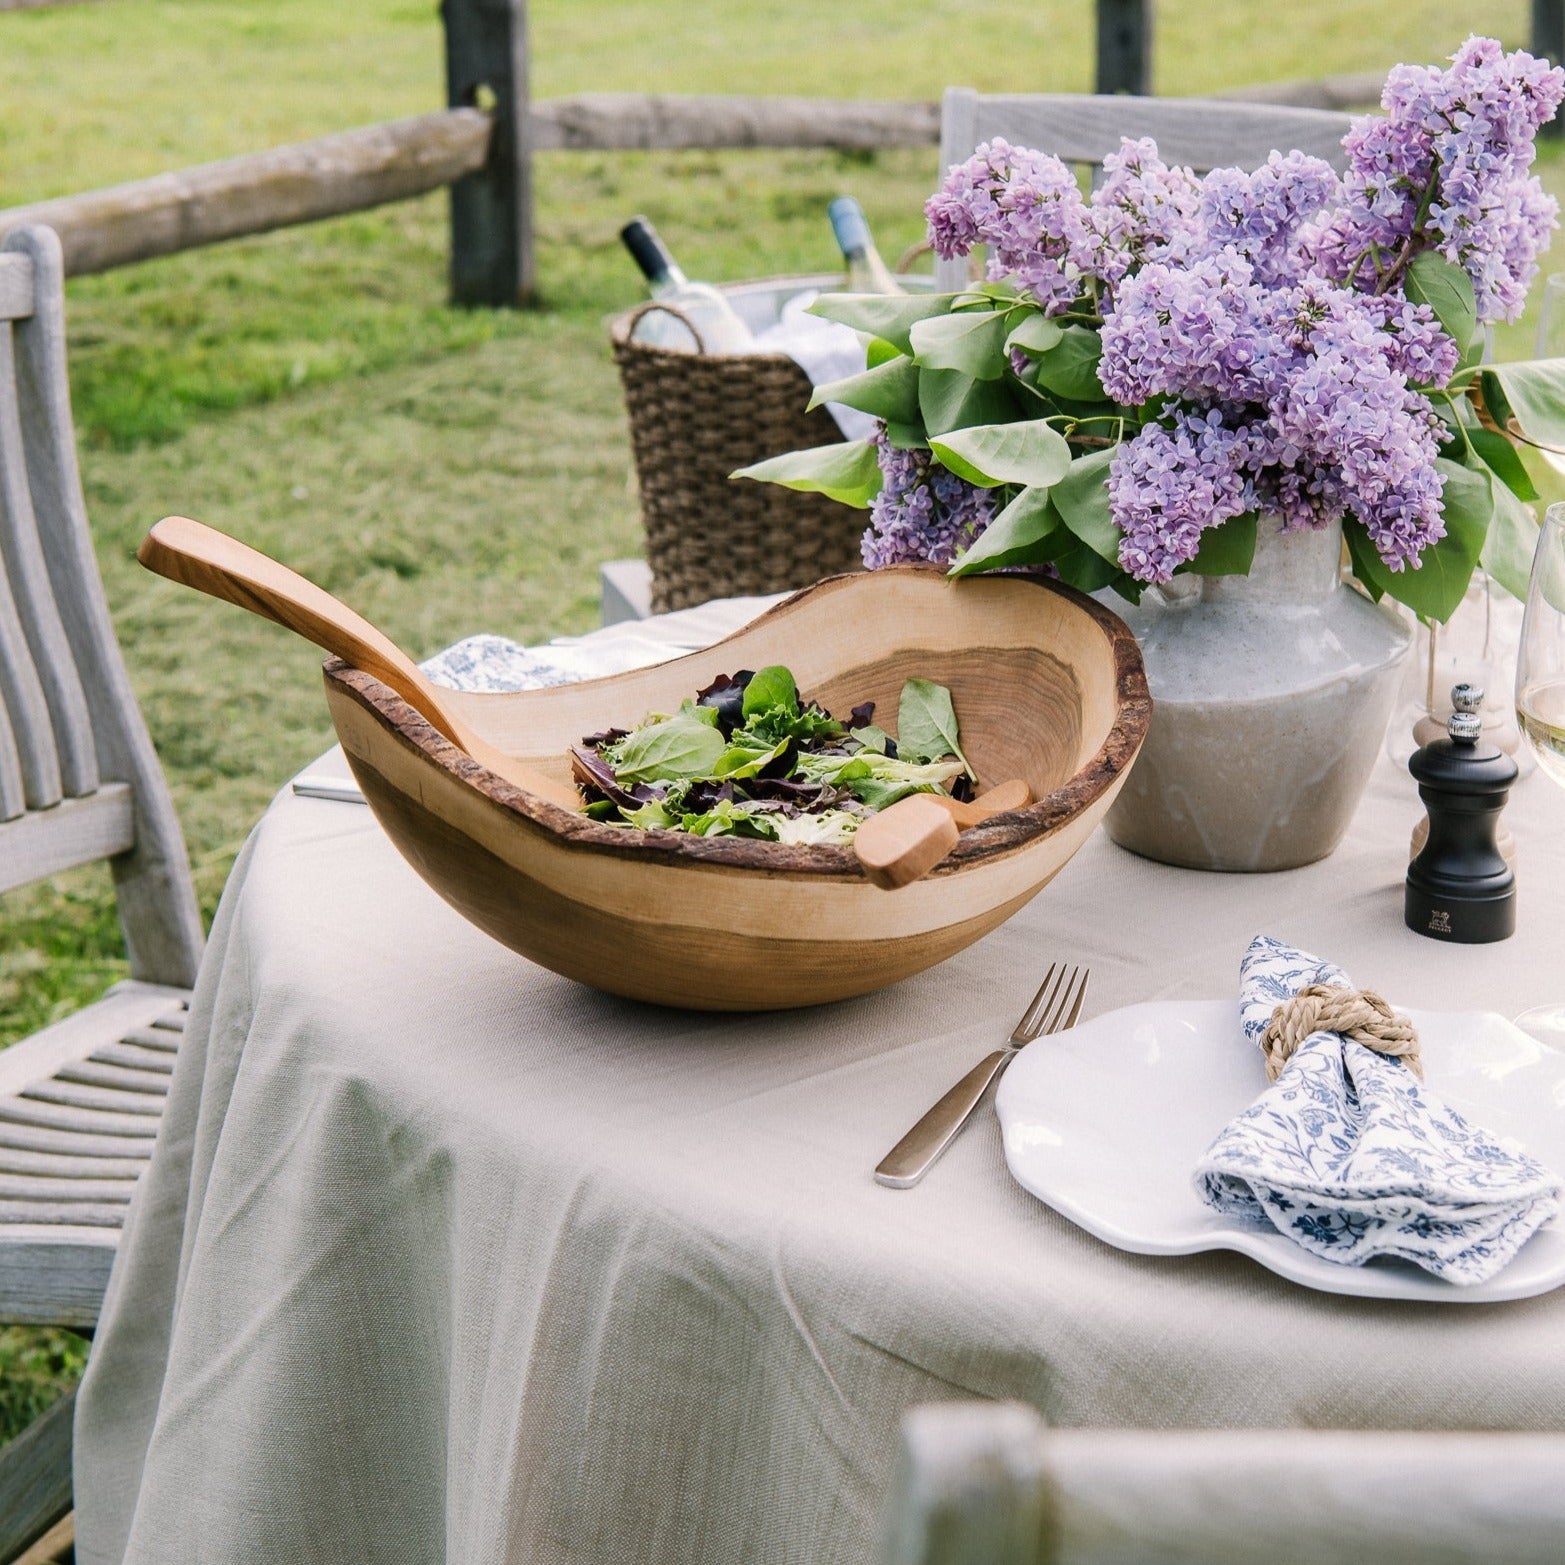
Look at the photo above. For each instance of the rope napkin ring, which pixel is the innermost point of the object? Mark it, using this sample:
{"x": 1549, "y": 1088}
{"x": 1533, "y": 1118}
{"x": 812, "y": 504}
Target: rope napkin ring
{"x": 1359, "y": 1014}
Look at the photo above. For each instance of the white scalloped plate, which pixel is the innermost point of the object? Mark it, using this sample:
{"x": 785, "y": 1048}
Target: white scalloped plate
{"x": 1104, "y": 1124}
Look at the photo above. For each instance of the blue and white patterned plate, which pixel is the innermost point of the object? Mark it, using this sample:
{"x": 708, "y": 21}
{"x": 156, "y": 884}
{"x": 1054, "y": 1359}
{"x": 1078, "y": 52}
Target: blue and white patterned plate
{"x": 1106, "y": 1122}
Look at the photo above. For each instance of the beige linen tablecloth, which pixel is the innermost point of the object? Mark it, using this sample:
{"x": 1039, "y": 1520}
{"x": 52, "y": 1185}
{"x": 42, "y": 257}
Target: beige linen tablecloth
{"x": 443, "y": 1258}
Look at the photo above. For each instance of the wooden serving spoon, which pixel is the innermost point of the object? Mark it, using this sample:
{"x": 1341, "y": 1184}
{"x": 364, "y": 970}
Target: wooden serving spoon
{"x": 899, "y": 844}
{"x": 201, "y": 557}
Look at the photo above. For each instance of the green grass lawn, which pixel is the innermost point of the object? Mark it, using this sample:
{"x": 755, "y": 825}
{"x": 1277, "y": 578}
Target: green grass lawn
{"x": 450, "y": 471}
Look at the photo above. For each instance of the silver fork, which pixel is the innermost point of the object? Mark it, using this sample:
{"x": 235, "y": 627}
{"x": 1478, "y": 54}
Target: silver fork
{"x": 1055, "y": 1007}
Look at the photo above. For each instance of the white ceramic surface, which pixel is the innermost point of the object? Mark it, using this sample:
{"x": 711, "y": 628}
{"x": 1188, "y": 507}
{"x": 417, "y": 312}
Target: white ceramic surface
{"x": 1270, "y": 694}
{"x": 1106, "y": 1122}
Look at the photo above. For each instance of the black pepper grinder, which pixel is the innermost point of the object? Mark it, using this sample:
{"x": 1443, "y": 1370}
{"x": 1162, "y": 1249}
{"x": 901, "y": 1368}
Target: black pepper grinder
{"x": 1460, "y": 887}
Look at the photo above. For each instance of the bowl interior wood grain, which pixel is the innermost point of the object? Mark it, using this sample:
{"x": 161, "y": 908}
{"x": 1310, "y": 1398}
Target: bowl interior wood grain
{"x": 1048, "y": 686}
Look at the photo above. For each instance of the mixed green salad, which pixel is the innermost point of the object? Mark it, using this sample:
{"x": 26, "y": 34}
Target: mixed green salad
{"x": 749, "y": 757}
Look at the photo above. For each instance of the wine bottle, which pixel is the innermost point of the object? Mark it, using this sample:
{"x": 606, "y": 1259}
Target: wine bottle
{"x": 867, "y": 273}
{"x": 710, "y": 315}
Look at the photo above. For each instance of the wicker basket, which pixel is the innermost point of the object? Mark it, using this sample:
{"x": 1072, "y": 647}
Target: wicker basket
{"x": 694, "y": 418}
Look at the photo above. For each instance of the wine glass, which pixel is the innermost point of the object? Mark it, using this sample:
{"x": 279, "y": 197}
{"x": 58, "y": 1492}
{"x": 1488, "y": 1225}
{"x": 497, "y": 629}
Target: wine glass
{"x": 1540, "y": 697}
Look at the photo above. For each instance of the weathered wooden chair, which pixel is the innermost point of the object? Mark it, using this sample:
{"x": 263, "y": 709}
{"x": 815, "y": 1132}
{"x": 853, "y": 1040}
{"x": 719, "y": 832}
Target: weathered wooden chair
{"x": 79, "y": 782}
{"x": 1200, "y": 132}
{"x": 985, "y": 1483}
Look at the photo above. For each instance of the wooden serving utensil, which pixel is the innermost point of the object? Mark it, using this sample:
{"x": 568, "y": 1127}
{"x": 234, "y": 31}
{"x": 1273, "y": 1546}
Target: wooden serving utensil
{"x": 201, "y": 557}
{"x": 896, "y": 846}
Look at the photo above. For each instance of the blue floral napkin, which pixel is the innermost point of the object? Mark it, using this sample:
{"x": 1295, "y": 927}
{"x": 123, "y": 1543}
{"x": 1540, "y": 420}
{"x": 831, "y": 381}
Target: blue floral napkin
{"x": 1349, "y": 1154}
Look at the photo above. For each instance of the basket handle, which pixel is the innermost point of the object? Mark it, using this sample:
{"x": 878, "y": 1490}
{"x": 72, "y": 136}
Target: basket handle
{"x": 668, "y": 309}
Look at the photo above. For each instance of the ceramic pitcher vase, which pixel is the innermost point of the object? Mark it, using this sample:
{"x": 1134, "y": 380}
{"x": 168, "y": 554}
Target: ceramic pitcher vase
{"x": 1270, "y": 695}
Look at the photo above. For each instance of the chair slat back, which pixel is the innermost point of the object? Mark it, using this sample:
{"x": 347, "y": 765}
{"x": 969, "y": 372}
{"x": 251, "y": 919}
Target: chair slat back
{"x": 987, "y": 1481}
{"x": 1199, "y": 132}
{"x": 69, "y": 723}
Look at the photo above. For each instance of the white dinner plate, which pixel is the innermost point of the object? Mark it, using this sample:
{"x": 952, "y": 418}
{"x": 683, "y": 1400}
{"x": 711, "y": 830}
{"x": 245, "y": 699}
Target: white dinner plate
{"x": 1106, "y": 1122}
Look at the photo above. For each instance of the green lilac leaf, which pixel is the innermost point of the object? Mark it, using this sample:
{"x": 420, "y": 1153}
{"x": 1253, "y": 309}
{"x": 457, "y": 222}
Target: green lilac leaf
{"x": 1501, "y": 456}
{"x": 842, "y": 470}
{"x": 1026, "y": 451}
{"x": 880, "y": 352}
{"x": 889, "y": 391}
{"x": 771, "y": 688}
{"x": 1447, "y": 290}
{"x": 1019, "y": 535}
{"x": 1227, "y": 549}
{"x": 1512, "y": 540}
{"x": 1533, "y": 393}
{"x": 1036, "y": 334}
{"x": 1082, "y": 499}
{"x": 951, "y": 400}
{"x": 907, "y": 437}
{"x": 969, "y": 341}
{"x": 926, "y": 724}
{"x": 1440, "y": 582}
{"x": 1085, "y": 569}
{"x": 888, "y": 316}
{"x": 1070, "y": 368}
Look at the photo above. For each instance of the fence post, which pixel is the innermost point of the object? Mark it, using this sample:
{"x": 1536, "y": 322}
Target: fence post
{"x": 1548, "y": 43}
{"x": 492, "y": 260}
{"x": 1125, "y": 46}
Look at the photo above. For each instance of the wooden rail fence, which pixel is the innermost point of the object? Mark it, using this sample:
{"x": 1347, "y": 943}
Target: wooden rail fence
{"x": 483, "y": 146}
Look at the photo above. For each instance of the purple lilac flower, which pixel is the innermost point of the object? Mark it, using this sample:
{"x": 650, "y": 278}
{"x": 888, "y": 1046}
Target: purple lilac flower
{"x": 1317, "y": 416}
{"x": 1345, "y": 407}
{"x": 1142, "y": 210}
{"x": 1196, "y": 330}
{"x": 1170, "y": 483}
{"x": 923, "y": 511}
{"x": 1446, "y": 169}
{"x": 1028, "y": 209}
{"x": 1261, "y": 214}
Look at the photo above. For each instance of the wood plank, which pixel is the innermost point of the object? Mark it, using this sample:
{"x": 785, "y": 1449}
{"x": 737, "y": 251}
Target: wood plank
{"x": 34, "y": 591}
{"x": 158, "y": 1036}
{"x": 970, "y": 1487}
{"x": 16, "y": 287}
{"x": 1195, "y": 131}
{"x": 184, "y": 209}
{"x": 94, "y": 1122}
{"x": 492, "y": 260}
{"x": 49, "y": 1190}
{"x": 13, "y": 796}
{"x": 157, "y": 903}
{"x": 1357, "y": 90}
{"x": 35, "y": 1478}
{"x": 125, "y": 1007}
{"x": 74, "y": 831}
{"x": 132, "y": 1078}
{"x": 54, "y": 1276}
{"x": 54, "y": 1165}
{"x": 627, "y": 121}
{"x": 131, "y": 1151}
{"x": 105, "y": 1099}
{"x": 22, "y": 694}
{"x": 56, "y": 1545}
{"x": 135, "y": 1056}
{"x": 47, "y": 1214}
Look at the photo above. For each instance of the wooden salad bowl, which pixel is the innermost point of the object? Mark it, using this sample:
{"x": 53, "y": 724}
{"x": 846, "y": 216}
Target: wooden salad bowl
{"x": 1048, "y": 687}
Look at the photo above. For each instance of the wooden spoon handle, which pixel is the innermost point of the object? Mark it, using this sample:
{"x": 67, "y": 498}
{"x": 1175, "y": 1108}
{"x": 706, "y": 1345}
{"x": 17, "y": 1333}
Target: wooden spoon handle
{"x": 899, "y": 844}
{"x": 201, "y": 557}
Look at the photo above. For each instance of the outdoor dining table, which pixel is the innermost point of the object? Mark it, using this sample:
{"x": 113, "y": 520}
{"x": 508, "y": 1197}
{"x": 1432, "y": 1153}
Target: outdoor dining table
{"x": 444, "y": 1257}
